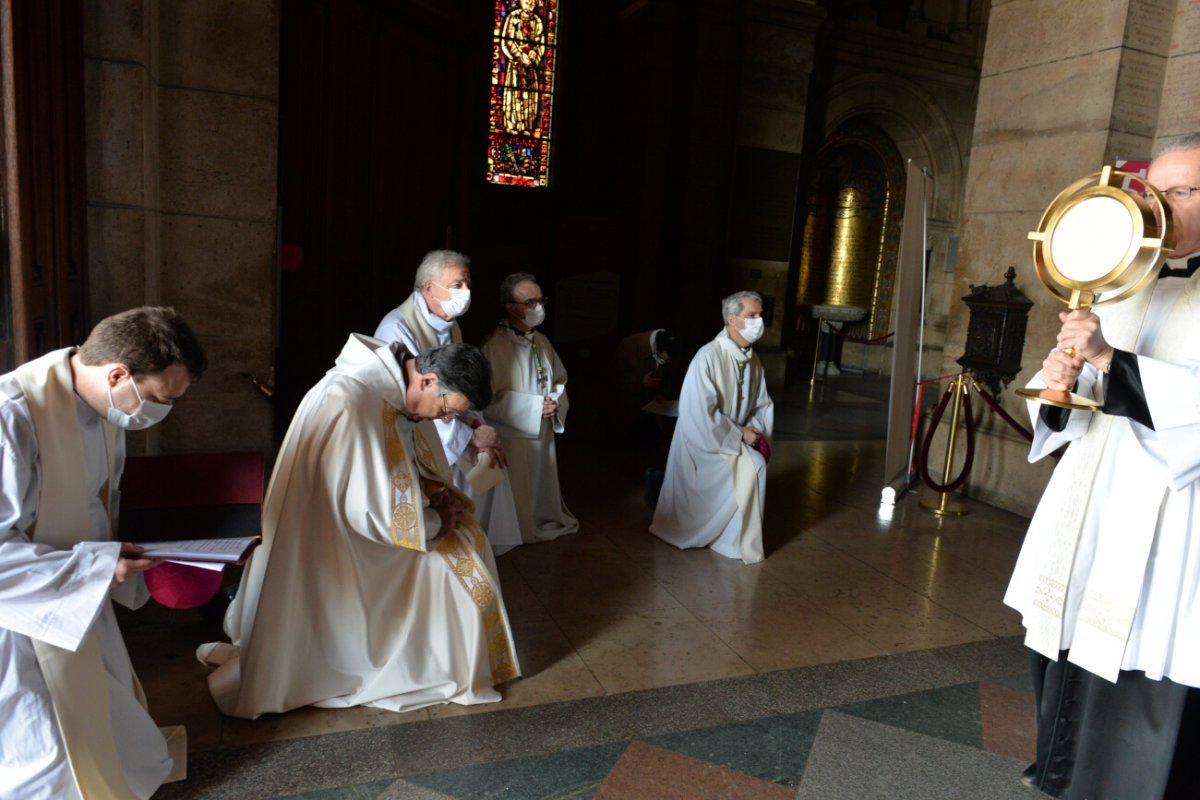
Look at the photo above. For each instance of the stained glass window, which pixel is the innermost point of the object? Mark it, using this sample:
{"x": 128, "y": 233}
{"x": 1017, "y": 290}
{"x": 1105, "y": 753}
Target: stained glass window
{"x": 524, "y": 37}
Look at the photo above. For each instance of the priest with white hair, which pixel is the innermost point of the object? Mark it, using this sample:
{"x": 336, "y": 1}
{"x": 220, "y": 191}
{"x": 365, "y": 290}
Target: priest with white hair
{"x": 712, "y": 494}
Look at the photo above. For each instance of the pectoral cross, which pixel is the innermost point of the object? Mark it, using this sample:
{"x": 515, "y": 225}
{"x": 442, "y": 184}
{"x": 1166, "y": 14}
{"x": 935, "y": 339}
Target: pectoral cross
{"x": 542, "y": 379}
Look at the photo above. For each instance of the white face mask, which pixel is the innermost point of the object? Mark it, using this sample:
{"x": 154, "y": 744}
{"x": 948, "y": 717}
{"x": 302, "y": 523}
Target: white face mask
{"x": 534, "y": 316}
{"x": 752, "y": 329}
{"x": 147, "y": 413}
{"x": 459, "y": 302}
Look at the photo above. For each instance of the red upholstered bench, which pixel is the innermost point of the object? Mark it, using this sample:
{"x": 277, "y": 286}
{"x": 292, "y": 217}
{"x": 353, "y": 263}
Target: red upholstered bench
{"x": 192, "y": 496}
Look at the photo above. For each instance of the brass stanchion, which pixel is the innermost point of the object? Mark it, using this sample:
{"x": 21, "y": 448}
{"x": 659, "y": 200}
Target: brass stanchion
{"x": 944, "y": 506}
{"x": 817, "y": 355}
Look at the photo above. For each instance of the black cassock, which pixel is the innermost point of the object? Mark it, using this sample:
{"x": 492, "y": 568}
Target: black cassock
{"x": 1136, "y": 739}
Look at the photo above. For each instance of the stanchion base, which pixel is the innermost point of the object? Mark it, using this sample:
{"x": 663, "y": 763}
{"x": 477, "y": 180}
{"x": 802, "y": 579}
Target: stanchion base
{"x": 942, "y": 506}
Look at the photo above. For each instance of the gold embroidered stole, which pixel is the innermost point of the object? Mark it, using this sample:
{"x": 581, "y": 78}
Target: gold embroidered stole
{"x": 408, "y": 529}
{"x": 77, "y": 681}
{"x": 460, "y": 547}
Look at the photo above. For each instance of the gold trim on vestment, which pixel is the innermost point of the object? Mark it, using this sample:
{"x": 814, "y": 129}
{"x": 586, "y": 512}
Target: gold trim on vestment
{"x": 501, "y": 655}
{"x": 406, "y": 531}
{"x": 453, "y": 547}
{"x": 424, "y": 452}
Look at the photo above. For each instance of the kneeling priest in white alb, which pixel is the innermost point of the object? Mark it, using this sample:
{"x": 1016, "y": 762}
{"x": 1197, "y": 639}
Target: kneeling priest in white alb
{"x": 373, "y": 585}
{"x": 712, "y": 494}
{"x": 529, "y": 409}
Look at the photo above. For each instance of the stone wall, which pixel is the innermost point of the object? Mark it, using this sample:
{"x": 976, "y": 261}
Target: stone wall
{"x": 1179, "y": 110}
{"x": 182, "y": 136}
{"x": 1058, "y": 100}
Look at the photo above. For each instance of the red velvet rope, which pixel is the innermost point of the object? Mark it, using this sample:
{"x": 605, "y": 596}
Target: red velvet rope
{"x": 876, "y": 340}
{"x": 970, "y": 458}
{"x": 939, "y": 378}
{"x": 991, "y": 401}
{"x": 937, "y": 416}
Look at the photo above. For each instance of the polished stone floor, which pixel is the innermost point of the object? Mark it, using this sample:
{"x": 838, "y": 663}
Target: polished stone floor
{"x": 868, "y": 656}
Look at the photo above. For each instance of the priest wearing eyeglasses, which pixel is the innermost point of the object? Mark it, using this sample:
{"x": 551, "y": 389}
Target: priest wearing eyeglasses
{"x": 373, "y": 584}
{"x": 529, "y": 408}
{"x": 427, "y": 319}
{"x": 1108, "y": 579}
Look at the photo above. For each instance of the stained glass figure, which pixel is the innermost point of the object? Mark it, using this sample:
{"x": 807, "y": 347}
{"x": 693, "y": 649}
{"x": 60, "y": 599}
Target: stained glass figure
{"x": 523, "y": 61}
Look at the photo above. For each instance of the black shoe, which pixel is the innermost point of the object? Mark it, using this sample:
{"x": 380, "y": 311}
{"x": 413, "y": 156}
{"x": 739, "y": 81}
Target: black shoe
{"x": 1029, "y": 776}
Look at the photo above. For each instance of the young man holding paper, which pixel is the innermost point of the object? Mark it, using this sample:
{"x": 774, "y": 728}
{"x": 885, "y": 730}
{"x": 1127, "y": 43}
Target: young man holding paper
{"x": 72, "y": 715}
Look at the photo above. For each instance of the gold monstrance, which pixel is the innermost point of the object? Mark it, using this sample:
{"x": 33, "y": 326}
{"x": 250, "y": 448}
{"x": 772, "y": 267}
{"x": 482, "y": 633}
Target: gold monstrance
{"x": 1097, "y": 244}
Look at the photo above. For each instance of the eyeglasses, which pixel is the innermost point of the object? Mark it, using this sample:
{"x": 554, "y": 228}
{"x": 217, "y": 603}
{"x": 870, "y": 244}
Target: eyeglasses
{"x": 531, "y": 304}
{"x": 449, "y": 414}
{"x": 1176, "y": 194}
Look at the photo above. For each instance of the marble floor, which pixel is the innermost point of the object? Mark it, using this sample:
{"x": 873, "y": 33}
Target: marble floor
{"x": 869, "y": 655}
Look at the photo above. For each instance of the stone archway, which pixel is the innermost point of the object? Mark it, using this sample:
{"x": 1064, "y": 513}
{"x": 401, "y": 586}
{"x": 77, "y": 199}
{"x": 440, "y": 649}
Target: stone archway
{"x": 851, "y": 229}
{"x": 920, "y": 128}
{"x": 916, "y": 124}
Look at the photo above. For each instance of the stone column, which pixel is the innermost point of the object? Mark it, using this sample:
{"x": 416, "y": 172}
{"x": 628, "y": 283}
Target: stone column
{"x": 182, "y": 138}
{"x": 1066, "y": 88}
{"x": 1179, "y": 112}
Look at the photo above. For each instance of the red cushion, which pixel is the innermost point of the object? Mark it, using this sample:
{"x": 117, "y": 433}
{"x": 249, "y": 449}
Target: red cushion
{"x": 182, "y": 586}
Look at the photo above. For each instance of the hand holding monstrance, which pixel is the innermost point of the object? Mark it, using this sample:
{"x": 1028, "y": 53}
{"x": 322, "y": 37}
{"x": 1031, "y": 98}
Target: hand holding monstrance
{"x": 1096, "y": 244}
{"x": 1080, "y": 340}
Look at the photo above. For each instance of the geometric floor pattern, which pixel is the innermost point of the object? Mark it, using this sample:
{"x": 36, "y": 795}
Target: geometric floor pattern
{"x": 869, "y": 656}
{"x": 767, "y": 758}
{"x": 950, "y": 739}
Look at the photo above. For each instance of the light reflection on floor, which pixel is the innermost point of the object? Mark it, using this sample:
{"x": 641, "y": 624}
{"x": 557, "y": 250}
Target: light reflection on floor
{"x": 613, "y": 609}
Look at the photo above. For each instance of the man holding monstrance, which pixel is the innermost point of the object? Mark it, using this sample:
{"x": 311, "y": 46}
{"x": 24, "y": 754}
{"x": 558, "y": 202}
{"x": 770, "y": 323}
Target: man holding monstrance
{"x": 1108, "y": 579}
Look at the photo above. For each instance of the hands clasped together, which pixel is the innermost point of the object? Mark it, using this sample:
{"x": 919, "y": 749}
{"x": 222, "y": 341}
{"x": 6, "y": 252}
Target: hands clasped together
{"x": 751, "y": 436}
{"x": 484, "y": 439}
{"x": 449, "y": 508}
{"x": 1080, "y": 340}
